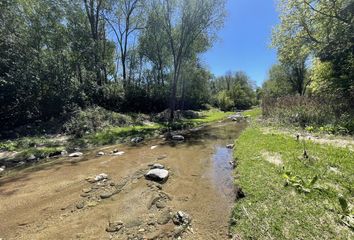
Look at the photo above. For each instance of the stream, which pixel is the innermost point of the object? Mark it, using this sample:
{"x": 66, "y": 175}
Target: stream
{"x": 41, "y": 203}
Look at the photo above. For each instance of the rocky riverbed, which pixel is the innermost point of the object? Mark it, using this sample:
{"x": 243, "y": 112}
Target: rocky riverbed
{"x": 159, "y": 189}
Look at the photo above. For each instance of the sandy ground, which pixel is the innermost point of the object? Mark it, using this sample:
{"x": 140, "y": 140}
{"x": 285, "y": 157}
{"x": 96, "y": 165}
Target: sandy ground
{"x": 41, "y": 203}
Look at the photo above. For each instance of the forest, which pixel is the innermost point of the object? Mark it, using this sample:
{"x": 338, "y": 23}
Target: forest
{"x": 59, "y": 57}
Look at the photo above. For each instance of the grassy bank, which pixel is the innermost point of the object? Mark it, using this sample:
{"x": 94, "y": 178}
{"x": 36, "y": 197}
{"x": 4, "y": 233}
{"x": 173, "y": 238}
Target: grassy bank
{"x": 46, "y": 146}
{"x": 289, "y": 196}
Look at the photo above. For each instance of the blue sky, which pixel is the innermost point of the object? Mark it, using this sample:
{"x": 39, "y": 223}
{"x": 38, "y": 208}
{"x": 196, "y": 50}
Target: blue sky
{"x": 243, "y": 43}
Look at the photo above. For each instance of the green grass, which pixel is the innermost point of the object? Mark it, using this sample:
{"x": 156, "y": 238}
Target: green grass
{"x": 26, "y": 143}
{"x": 253, "y": 113}
{"x": 272, "y": 211}
{"x": 112, "y": 135}
{"x": 121, "y": 134}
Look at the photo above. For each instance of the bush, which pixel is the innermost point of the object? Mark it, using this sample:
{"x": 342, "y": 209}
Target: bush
{"x": 94, "y": 119}
{"x": 307, "y": 112}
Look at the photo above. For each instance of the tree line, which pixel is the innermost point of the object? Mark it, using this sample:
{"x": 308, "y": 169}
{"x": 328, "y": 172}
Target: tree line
{"x": 123, "y": 55}
{"x": 314, "y": 43}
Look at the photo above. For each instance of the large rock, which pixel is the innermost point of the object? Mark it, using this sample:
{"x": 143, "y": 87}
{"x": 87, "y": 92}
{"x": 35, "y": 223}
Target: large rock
{"x": 2, "y": 168}
{"x": 76, "y": 154}
{"x": 178, "y": 138}
{"x": 159, "y": 175}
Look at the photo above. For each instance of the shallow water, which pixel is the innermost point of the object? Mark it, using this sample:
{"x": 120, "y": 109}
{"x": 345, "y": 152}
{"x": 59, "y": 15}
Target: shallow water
{"x": 41, "y": 202}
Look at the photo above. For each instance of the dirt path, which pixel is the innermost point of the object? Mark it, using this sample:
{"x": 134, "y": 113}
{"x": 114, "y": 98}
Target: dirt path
{"x": 49, "y": 203}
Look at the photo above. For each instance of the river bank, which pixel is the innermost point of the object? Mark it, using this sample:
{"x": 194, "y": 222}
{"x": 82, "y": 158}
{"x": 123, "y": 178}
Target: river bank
{"x": 296, "y": 185}
{"x": 28, "y": 151}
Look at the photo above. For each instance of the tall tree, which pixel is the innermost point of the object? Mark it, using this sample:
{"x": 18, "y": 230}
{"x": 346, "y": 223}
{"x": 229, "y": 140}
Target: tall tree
{"x": 183, "y": 22}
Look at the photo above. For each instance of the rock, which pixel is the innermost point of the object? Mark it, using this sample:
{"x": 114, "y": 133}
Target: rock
{"x": 106, "y": 195}
{"x": 159, "y": 175}
{"x": 80, "y": 205}
{"x": 87, "y": 190}
{"x": 178, "y": 138}
{"x": 181, "y": 218}
{"x": 178, "y": 230}
{"x": 84, "y": 195}
{"x": 161, "y": 157}
{"x": 118, "y": 153}
{"x": 2, "y": 168}
{"x": 115, "y": 150}
{"x": 101, "y": 176}
{"x": 137, "y": 140}
{"x": 31, "y": 158}
{"x": 164, "y": 217}
{"x": 230, "y": 146}
{"x": 64, "y": 153}
{"x": 114, "y": 226}
{"x": 76, "y": 154}
{"x": 153, "y": 147}
{"x": 160, "y": 204}
{"x": 157, "y": 165}
{"x": 100, "y": 154}
{"x": 153, "y": 201}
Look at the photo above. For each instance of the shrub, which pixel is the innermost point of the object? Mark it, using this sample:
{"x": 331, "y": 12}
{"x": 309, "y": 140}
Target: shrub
{"x": 308, "y": 112}
{"x": 94, "y": 119}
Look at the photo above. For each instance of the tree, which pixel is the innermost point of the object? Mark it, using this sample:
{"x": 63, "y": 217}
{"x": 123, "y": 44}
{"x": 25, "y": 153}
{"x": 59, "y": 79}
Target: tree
{"x": 184, "y": 22}
{"x": 323, "y": 30}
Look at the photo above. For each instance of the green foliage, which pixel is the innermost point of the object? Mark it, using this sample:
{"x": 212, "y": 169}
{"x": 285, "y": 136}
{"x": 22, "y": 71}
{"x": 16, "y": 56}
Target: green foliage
{"x": 346, "y": 215}
{"x": 272, "y": 211}
{"x": 319, "y": 33}
{"x": 301, "y": 185}
{"x": 233, "y": 91}
{"x": 93, "y": 120}
{"x": 223, "y": 101}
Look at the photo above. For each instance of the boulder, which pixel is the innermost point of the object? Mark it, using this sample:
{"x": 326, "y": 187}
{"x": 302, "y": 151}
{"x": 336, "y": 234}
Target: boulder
{"x": 178, "y": 138}
{"x": 76, "y": 154}
{"x": 153, "y": 147}
{"x": 137, "y": 140}
{"x": 159, "y": 175}
{"x": 2, "y": 168}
